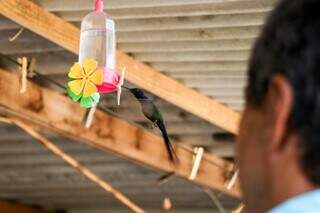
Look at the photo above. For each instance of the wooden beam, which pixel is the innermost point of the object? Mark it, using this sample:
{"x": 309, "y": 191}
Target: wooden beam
{"x": 10, "y": 207}
{"x": 50, "y": 110}
{"x": 33, "y": 17}
{"x": 184, "y": 46}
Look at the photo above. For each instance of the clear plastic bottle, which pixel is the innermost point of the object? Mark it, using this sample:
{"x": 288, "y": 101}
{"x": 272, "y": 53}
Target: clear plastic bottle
{"x": 97, "y": 40}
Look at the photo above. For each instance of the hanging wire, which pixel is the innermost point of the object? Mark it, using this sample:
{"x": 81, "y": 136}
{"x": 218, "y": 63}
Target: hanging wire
{"x": 103, "y": 108}
{"x": 13, "y": 38}
{"x": 215, "y": 199}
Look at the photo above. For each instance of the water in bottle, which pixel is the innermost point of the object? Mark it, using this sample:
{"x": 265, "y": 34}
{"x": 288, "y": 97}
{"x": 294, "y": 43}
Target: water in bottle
{"x": 98, "y": 42}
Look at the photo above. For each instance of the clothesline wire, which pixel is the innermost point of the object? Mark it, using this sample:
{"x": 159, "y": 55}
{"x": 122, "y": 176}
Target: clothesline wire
{"x": 100, "y": 107}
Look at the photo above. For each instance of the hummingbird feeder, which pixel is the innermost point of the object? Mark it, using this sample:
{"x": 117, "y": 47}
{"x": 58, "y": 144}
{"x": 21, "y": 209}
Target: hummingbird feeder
{"x": 95, "y": 72}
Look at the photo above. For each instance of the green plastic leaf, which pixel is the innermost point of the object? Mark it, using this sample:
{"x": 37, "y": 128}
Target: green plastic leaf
{"x": 69, "y": 79}
{"x": 73, "y": 96}
{"x": 95, "y": 98}
{"x": 86, "y": 102}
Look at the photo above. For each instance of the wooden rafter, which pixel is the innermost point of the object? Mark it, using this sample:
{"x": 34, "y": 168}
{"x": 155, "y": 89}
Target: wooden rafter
{"x": 57, "y": 30}
{"x": 10, "y": 207}
{"x": 50, "y": 110}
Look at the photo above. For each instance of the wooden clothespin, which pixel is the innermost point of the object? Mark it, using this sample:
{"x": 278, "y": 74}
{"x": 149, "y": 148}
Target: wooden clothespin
{"x": 32, "y": 67}
{"x": 13, "y": 38}
{"x": 239, "y": 209}
{"x": 230, "y": 183}
{"x": 88, "y": 118}
{"x": 24, "y": 72}
{"x": 196, "y": 162}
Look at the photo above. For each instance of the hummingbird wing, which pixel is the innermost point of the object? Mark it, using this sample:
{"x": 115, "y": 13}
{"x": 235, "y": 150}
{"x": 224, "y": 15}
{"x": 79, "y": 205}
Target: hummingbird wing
{"x": 149, "y": 109}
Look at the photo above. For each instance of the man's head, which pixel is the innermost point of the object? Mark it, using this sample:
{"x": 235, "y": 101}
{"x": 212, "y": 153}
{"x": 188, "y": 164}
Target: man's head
{"x": 279, "y": 139}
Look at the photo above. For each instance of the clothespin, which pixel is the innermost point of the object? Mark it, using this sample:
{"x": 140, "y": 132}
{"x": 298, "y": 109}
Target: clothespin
{"x": 230, "y": 183}
{"x": 32, "y": 67}
{"x": 196, "y": 162}
{"x": 13, "y": 38}
{"x": 88, "y": 118}
{"x": 121, "y": 81}
{"x": 239, "y": 209}
{"x": 24, "y": 72}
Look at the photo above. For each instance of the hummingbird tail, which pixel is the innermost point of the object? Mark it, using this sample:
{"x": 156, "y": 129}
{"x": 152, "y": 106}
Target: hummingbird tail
{"x": 169, "y": 147}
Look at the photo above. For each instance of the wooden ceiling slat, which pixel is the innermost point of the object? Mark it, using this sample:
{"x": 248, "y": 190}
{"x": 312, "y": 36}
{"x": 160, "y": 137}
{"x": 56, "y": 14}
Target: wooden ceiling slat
{"x": 184, "y": 46}
{"x": 177, "y": 11}
{"x": 28, "y": 47}
{"x": 215, "y": 84}
{"x": 201, "y": 34}
{"x": 179, "y": 23}
{"x": 237, "y": 20}
{"x": 204, "y": 56}
{"x": 98, "y": 193}
{"x": 200, "y": 66}
{"x": 62, "y": 5}
{"x": 152, "y": 48}
{"x": 193, "y": 74}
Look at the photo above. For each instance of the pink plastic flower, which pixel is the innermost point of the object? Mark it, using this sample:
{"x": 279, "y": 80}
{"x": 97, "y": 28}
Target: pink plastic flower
{"x": 112, "y": 82}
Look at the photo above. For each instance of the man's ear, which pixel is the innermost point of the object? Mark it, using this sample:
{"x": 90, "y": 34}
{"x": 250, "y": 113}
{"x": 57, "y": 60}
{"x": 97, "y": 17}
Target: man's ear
{"x": 278, "y": 106}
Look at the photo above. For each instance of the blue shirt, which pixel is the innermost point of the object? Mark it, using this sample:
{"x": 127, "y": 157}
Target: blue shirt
{"x": 305, "y": 203}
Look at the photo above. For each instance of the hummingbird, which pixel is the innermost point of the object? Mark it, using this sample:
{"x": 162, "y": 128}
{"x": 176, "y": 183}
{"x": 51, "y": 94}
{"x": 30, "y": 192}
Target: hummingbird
{"x": 152, "y": 113}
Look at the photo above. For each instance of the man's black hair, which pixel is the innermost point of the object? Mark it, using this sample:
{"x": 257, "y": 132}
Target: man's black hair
{"x": 290, "y": 46}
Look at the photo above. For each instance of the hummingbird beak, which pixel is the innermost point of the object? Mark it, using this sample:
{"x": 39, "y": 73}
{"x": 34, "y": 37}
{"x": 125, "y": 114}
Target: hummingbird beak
{"x": 125, "y": 87}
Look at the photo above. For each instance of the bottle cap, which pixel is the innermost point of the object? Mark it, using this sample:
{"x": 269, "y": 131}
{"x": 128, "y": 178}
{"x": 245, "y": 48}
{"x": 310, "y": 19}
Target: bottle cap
{"x": 99, "y": 6}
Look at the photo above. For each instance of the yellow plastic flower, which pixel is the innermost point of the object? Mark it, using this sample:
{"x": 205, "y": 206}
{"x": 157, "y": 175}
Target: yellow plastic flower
{"x": 85, "y": 78}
